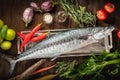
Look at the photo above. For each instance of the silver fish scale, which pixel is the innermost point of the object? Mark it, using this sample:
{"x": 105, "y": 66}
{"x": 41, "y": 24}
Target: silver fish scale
{"x": 43, "y": 47}
{"x": 54, "y": 50}
{"x": 63, "y": 41}
{"x": 71, "y": 33}
{"x": 60, "y": 36}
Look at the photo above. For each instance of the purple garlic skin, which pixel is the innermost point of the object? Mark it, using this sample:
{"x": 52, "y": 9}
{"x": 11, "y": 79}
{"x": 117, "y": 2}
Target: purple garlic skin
{"x": 47, "y": 6}
{"x": 35, "y": 7}
{"x": 27, "y": 16}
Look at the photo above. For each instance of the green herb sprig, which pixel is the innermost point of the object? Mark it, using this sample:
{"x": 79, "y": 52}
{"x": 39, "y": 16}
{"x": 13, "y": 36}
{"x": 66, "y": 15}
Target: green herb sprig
{"x": 94, "y": 65}
{"x": 78, "y": 13}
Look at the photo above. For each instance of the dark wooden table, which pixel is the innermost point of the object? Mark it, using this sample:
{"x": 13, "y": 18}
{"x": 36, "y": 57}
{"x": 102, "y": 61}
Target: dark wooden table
{"x": 11, "y": 13}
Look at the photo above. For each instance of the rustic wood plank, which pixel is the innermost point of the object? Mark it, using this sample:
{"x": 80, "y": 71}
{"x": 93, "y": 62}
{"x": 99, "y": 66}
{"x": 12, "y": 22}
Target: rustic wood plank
{"x": 11, "y": 13}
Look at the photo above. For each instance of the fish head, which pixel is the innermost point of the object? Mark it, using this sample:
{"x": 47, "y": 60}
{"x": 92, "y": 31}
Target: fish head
{"x": 105, "y": 31}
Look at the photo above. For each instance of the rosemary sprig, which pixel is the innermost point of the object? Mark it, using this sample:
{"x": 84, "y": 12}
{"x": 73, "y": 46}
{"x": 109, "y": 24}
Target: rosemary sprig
{"x": 78, "y": 13}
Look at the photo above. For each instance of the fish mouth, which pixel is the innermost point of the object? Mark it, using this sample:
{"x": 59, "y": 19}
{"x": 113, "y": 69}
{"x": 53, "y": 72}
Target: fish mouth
{"x": 101, "y": 34}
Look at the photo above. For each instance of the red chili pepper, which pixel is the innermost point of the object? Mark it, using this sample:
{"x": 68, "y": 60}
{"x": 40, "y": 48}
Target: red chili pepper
{"x": 39, "y": 38}
{"x": 42, "y": 36}
{"x": 43, "y": 69}
{"x": 21, "y": 35}
{"x": 29, "y": 36}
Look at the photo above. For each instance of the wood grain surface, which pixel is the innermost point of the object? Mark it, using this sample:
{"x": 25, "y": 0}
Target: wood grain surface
{"x": 11, "y": 13}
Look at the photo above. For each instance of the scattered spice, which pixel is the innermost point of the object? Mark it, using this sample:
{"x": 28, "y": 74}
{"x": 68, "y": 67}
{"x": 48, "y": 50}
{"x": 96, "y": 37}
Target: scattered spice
{"x": 61, "y": 16}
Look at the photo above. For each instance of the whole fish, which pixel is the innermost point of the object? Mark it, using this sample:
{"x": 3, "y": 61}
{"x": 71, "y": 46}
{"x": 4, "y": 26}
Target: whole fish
{"x": 61, "y": 43}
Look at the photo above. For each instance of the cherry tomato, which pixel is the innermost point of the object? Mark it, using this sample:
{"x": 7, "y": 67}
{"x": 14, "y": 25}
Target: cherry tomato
{"x": 118, "y": 33}
{"x": 102, "y": 14}
{"x": 109, "y": 7}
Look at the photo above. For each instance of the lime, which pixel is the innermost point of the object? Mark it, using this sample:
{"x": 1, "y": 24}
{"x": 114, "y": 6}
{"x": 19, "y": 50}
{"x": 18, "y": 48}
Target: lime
{"x": 6, "y": 45}
{"x": 1, "y": 40}
{"x": 1, "y": 23}
{"x": 10, "y": 35}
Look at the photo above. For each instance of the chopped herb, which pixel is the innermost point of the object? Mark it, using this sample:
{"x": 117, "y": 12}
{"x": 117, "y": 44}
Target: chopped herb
{"x": 94, "y": 65}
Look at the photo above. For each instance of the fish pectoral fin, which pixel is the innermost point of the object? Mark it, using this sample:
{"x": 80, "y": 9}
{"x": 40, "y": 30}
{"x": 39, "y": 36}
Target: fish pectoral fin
{"x": 54, "y": 58}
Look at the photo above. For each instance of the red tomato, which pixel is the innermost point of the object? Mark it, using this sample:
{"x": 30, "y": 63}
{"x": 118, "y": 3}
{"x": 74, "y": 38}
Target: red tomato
{"x": 118, "y": 33}
{"x": 102, "y": 14}
{"x": 109, "y": 7}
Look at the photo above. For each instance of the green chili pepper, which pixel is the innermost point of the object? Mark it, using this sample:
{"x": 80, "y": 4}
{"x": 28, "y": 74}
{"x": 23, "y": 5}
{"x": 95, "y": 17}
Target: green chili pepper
{"x": 3, "y": 31}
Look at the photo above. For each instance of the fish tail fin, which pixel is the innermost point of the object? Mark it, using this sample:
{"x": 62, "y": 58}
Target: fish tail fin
{"x": 11, "y": 61}
{"x": 12, "y": 66}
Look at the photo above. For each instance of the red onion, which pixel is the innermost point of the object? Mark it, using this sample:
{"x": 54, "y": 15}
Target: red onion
{"x": 47, "y": 6}
{"x": 27, "y": 16}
